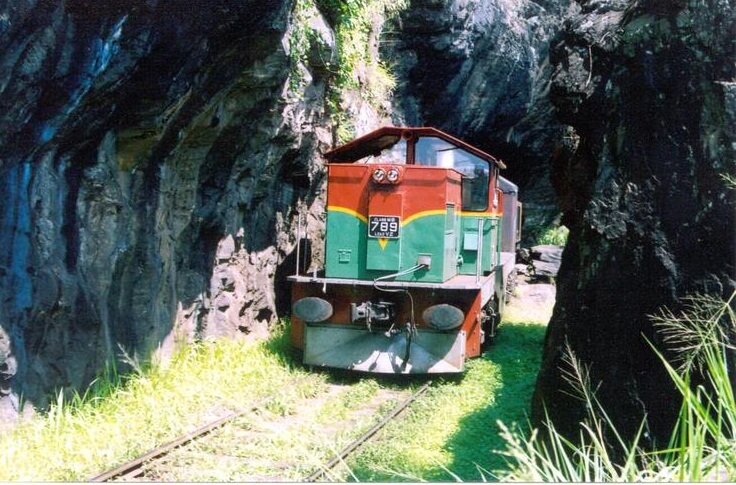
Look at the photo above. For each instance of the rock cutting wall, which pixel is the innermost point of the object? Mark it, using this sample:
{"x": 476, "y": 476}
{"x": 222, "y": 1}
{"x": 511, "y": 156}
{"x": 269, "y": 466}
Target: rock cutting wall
{"x": 153, "y": 156}
{"x": 648, "y": 87}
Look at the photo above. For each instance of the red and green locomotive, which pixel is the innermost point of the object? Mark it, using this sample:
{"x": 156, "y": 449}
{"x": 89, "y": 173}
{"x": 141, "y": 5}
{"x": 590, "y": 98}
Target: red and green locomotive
{"x": 419, "y": 246}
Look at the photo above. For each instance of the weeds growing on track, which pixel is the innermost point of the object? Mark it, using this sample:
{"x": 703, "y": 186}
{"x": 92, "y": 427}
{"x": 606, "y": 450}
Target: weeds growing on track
{"x": 452, "y": 435}
{"x": 448, "y": 434}
{"x": 79, "y": 438}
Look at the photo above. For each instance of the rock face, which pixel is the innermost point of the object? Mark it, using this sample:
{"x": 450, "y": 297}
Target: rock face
{"x": 480, "y": 70}
{"x": 649, "y": 90}
{"x": 153, "y": 156}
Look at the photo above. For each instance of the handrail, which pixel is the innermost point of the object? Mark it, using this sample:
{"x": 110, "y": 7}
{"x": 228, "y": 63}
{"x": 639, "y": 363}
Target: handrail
{"x": 298, "y": 242}
{"x": 479, "y": 262}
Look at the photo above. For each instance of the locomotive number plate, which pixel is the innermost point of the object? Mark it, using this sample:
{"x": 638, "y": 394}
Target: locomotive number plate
{"x": 385, "y": 227}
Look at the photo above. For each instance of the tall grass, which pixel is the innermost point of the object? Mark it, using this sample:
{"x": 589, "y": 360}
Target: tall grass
{"x": 448, "y": 434}
{"x": 703, "y": 442}
{"x": 84, "y": 435}
{"x": 703, "y": 446}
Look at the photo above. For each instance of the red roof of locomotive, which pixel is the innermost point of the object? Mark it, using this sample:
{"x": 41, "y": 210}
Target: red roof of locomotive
{"x": 376, "y": 141}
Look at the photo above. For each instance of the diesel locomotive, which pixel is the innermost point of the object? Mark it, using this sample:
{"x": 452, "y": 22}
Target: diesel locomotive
{"x": 420, "y": 242}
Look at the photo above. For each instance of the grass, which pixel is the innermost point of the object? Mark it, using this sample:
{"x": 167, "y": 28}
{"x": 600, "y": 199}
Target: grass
{"x": 703, "y": 442}
{"x": 448, "y": 434}
{"x": 452, "y": 434}
{"x": 80, "y": 438}
{"x": 285, "y": 444}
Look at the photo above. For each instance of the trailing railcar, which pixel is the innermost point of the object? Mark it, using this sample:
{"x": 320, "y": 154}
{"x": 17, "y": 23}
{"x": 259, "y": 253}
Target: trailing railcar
{"x": 420, "y": 240}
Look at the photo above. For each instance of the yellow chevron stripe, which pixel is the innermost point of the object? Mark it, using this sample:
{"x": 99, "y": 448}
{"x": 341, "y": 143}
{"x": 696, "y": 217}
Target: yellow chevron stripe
{"x": 413, "y": 217}
{"x": 345, "y": 210}
{"x": 436, "y": 212}
{"x": 479, "y": 214}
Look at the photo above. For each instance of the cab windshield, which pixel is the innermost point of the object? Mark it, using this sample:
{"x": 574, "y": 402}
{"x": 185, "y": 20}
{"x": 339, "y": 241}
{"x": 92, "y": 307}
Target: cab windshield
{"x": 431, "y": 151}
{"x": 395, "y": 153}
{"x": 435, "y": 152}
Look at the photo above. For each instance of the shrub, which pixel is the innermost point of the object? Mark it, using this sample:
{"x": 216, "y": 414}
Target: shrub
{"x": 556, "y": 236}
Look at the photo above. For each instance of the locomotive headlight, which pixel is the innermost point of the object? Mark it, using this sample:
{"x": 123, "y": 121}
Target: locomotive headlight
{"x": 443, "y": 316}
{"x": 312, "y": 309}
{"x": 378, "y": 175}
{"x": 393, "y": 175}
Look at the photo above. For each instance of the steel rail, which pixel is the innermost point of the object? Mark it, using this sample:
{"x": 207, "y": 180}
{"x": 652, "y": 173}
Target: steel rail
{"x": 357, "y": 443}
{"x": 134, "y": 468}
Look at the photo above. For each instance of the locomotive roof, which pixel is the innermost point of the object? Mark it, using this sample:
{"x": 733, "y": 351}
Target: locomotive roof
{"x": 376, "y": 141}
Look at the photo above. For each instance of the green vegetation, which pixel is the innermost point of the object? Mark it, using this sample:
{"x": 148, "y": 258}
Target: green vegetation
{"x": 729, "y": 180}
{"x": 556, "y": 235}
{"x": 289, "y": 441}
{"x": 703, "y": 443}
{"x": 358, "y": 72}
{"x": 357, "y": 25}
{"x": 451, "y": 433}
{"x": 81, "y": 437}
{"x": 120, "y": 419}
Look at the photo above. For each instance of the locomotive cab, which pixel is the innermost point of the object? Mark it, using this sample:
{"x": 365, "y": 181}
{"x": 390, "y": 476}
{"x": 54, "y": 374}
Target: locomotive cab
{"x": 414, "y": 274}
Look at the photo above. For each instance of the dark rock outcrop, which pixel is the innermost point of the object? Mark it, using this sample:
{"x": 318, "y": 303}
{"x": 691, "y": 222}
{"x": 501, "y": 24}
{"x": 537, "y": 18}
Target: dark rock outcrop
{"x": 480, "y": 70}
{"x": 648, "y": 87}
{"x": 546, "y": 260}
{"x": 153, "y": 156}
{"x": 539, "y": 263}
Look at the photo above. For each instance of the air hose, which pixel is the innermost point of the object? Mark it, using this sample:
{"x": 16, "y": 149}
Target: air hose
{"x": 411, "y": 327}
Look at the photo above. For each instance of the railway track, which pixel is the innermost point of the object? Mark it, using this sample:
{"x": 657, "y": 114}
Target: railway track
{"x": 136, "y": 467}
{"x": 353, "y": 446}
{"x": 257, "y": 428}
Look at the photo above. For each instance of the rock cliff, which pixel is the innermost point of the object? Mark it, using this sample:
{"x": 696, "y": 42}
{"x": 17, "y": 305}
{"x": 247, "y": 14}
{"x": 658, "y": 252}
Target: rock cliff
{"x": 153, "y": 156}
{"x": 648, "y": 89}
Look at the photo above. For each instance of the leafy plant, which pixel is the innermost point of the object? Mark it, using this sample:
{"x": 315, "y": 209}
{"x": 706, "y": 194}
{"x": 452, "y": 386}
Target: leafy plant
{"x": 556, "y": 236}
{"x": 359, "y": 71}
